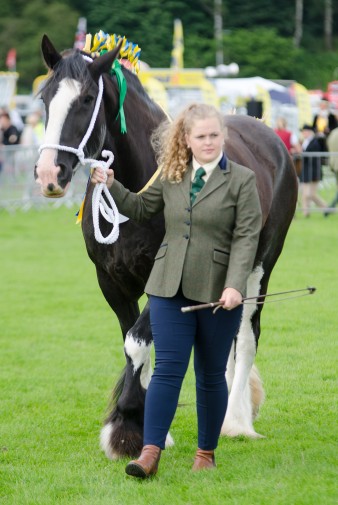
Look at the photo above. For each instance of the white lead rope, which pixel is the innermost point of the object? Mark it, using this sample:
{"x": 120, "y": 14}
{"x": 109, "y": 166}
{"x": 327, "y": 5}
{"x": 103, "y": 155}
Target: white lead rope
{"x": 99, "y": 204}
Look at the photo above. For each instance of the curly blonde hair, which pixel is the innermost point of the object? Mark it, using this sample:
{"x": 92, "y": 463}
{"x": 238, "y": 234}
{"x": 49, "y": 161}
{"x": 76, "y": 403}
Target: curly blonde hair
{"x": 169, "y": 143}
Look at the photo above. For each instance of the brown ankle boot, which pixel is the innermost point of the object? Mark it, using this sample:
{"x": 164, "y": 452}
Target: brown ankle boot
{"x": 203, "y": 459}
{"x": 147, "y": 464}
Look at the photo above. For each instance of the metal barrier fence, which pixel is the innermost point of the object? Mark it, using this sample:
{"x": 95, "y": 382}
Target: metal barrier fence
{"x": 18, "y": 189}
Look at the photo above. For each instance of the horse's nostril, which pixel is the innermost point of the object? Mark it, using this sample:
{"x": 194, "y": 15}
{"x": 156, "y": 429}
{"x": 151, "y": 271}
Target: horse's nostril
{"x": 63, "y": 169}
{"x": 51, "y": 187}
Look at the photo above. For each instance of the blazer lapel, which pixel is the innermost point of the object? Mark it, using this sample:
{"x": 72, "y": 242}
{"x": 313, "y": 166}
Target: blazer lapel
{"x": 186, "y": 184}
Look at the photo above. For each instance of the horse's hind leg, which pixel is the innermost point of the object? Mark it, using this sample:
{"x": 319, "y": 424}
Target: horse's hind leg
{"x": 242, "y": 378}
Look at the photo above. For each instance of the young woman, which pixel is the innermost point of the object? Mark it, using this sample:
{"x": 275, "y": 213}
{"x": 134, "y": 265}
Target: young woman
{"x": 212, "y": 221}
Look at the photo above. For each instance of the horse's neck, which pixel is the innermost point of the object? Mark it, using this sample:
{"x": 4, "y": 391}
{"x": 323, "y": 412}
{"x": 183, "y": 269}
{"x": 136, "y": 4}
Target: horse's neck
{"x": 134, "y": 162}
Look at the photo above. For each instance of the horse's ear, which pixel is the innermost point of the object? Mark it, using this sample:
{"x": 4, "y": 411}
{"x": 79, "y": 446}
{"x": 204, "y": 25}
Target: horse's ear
{"x": 50, "y": 54}
{"x": 104, "y": 63}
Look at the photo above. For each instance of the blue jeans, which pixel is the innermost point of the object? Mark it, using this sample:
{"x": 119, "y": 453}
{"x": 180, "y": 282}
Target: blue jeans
{"x": 175, "y": 334}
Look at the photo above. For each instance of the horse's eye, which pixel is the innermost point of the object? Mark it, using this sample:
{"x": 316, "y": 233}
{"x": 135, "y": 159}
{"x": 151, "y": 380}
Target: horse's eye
{"x": 88, "y": 99}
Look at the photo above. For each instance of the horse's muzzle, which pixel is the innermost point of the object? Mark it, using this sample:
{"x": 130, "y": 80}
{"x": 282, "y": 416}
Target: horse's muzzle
{"x": 50, "y": 185}
{"x": 53, "y": 178}
{"x": 54, "y": 192}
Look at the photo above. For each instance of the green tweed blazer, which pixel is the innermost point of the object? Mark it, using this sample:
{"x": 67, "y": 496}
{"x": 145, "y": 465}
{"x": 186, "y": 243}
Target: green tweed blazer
{"x": 207, "y": 246}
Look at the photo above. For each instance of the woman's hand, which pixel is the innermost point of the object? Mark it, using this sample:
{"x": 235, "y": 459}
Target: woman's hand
{"x": 99, "y": 175}
{"x": 230, "y": 298}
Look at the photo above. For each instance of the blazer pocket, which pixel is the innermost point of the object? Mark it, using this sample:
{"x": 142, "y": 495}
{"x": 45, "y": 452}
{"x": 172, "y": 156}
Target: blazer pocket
{"x": 162, "y": 251}
{"x": 221, "y": 257}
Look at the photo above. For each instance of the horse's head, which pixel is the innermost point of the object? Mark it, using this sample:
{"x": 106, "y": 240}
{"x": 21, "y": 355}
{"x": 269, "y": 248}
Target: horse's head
{"x": 69, "y": 96}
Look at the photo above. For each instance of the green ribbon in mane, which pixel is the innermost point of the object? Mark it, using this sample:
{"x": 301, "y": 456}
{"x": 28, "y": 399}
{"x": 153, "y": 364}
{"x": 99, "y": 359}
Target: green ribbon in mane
{"x": 122, "y": 85}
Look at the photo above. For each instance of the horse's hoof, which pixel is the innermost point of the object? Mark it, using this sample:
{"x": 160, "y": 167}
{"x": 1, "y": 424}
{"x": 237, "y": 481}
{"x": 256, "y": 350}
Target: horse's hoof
{"x": 233, "y": 431}
{"x": 242, "y": 433}
{"x": 254, "y": 435}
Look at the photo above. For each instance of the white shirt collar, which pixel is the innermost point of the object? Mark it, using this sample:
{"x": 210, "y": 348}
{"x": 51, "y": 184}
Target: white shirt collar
{"x": 208, "y": 167}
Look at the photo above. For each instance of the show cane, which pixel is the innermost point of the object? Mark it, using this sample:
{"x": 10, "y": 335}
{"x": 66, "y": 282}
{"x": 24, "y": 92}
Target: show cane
{"x": 201, "y": 306}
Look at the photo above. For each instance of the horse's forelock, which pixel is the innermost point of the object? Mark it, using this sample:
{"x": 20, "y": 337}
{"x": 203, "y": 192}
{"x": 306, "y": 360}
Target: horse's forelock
{"x": 72, "y": 66}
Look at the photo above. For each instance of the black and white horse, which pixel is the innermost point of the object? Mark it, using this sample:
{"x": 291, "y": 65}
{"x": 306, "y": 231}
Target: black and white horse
{"x": 70, "y": 95}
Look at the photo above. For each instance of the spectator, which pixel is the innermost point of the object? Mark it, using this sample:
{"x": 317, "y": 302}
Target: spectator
{"x": 311, "y": 173}
{"x": 324, "y": 122}
{"x": 291, "y": 142}
{"x": 290, "y": 139}
{"x": 10, "y": 134}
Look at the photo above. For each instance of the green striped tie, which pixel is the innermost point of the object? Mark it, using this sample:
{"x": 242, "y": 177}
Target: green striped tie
{"x": 197, "y": 183}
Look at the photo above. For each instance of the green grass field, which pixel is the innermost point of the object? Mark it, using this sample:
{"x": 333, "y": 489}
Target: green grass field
{"x": 61, "y": 353}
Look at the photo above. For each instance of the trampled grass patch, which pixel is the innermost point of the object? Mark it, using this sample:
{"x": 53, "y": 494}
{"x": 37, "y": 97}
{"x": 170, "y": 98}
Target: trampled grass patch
{"x": 61, "y": 353}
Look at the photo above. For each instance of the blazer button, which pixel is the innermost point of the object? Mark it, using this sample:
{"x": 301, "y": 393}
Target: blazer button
{"x": 187, "y": 223}
{"x": 186, "y": 236}
{"x": 188, "y": 209}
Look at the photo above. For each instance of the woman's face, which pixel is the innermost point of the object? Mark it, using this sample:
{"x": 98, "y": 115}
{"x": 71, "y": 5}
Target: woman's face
{"x": 205, "y": 139}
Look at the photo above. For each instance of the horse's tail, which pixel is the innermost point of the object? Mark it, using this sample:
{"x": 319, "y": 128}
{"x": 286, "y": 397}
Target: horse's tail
{"x": 257, "y": 391}
{"x": 117, "y": 391}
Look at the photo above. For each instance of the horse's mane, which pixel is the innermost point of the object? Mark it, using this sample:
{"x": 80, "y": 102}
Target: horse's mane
{"x": 135, "y": 85}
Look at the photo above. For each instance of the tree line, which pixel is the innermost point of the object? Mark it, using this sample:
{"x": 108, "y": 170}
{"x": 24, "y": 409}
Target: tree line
{"x": 288, "y": 39}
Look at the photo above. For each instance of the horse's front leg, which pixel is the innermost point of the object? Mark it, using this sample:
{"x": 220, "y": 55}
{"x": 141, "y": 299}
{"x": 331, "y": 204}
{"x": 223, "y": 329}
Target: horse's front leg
{"x": 122, "y": 434}
{"x": 242, "y": 377}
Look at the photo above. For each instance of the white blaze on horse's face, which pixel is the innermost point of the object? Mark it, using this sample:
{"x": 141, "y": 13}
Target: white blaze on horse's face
{"x": 46, "y": 169}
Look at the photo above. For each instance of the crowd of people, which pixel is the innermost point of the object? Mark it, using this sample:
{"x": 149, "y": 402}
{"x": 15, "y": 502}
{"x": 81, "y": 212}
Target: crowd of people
{"x": 304, "y": 148}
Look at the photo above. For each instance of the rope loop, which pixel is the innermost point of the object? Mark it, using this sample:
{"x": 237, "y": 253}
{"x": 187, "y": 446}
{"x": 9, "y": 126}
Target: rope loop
{"x": 108, "y": 210}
